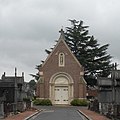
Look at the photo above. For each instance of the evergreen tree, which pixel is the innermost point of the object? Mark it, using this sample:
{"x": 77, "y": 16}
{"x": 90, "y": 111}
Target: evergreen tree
{"x": 90, "y": 54}
{"x": 36, "y": 76}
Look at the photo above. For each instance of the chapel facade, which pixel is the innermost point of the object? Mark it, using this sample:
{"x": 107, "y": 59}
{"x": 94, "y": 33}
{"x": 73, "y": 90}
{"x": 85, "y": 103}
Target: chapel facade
{"x": 61, "y": 76}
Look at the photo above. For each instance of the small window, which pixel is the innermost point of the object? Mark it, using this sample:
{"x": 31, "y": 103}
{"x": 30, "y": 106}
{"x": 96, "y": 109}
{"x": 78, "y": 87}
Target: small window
{"x": 61, "y": 60}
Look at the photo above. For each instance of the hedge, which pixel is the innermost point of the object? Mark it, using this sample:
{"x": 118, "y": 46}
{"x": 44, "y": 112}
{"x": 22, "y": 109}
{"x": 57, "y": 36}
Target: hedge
{"x": 46, "y": 102}
{"x": 79, "y": 102}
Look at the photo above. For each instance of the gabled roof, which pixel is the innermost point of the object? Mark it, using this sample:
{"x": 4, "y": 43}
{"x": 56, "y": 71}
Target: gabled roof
{"x": 62, "y": 38}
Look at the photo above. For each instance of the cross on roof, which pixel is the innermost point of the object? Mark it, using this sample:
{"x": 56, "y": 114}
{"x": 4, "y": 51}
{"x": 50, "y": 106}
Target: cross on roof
{"x": 62, "y": 36}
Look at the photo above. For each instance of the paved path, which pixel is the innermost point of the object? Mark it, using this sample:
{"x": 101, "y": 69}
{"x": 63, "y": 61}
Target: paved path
{"x": 20, "y": 116}
{"x": 93, "y": 115}
{"x": 58, "y": 113}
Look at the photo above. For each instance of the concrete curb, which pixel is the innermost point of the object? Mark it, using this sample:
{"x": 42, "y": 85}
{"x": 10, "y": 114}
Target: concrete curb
{"x": 33, "y": 115}
{"x": 87, "y": 118}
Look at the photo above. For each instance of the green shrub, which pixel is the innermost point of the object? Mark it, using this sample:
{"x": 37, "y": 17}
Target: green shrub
{"x": 46, "y": 102}
{"x": 37, "y": 102}
{"x": 79, "y": 102}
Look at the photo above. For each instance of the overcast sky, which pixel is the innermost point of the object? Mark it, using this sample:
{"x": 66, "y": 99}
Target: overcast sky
{"x": 28, "y": 27}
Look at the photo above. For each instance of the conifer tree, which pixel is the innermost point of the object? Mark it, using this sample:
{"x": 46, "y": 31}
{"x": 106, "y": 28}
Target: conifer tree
{"x": 36, "y": 76}
{"x": 93, "y": 57}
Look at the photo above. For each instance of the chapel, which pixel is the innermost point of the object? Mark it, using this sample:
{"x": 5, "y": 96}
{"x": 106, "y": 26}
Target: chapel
{"x": 61, "y": 75}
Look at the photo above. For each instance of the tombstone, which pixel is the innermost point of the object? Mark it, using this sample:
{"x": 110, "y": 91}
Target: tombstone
{"x": 109, "y": 94}
{"x": 105, "y": 90}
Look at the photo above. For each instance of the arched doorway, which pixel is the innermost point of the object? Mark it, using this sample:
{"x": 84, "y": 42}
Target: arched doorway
{"x": 61, "y": 88}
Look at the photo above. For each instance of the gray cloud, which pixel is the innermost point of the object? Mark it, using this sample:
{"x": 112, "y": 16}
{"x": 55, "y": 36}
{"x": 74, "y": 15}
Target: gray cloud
{"x": 28, "y": 27}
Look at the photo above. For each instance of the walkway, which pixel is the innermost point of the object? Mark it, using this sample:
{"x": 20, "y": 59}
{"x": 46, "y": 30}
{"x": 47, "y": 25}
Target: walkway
{"x": 93, "y": 115}
{"x": 20, "y": 116}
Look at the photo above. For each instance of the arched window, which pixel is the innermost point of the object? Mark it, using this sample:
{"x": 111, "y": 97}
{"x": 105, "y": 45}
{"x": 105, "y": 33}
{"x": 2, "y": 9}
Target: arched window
{"x": 61, "y": 59}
